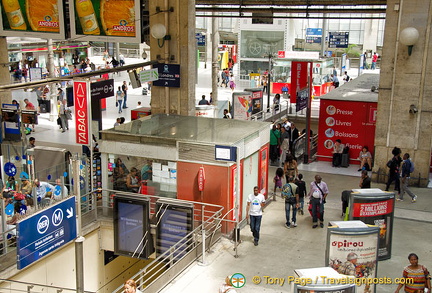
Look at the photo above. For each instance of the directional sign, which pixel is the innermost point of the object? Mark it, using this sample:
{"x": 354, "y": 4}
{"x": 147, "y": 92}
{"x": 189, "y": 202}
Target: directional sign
{"x": 45, "y": 232}
{"x": 338, "y": 39}
{"x": 169, "y": 75}
{"x": 149, "y": 75}
{"x": 102, "y": 89}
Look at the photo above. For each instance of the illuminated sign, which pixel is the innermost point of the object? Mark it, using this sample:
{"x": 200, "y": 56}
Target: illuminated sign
{"x": 106, "y": 20}
{"x": 32, "y": 18}
{"x": 81, "y": 112}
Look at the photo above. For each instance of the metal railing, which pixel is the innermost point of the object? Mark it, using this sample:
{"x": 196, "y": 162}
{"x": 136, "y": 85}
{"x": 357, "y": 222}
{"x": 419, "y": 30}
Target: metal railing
{"x": 167, "y": 265}
{"x": 299, "y": 147}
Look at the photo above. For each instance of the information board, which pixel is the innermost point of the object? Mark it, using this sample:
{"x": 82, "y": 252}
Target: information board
{"x": 45, "y": 232}
{"x": 338, "y": 39}
{"x": 313, "y": 35}
{"x": 168, "y": 74}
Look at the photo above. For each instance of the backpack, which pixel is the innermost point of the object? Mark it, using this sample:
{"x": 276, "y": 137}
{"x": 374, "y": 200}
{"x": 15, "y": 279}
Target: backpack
{"x": 288, "y": 194}
{"x": 411, "y": 169}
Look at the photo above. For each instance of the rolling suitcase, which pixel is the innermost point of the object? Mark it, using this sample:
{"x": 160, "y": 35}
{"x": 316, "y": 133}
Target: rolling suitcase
{"x": 345, "y": 160}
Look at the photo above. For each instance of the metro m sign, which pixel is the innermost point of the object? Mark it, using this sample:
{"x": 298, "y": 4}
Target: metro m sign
{"x": 81, "y": 112}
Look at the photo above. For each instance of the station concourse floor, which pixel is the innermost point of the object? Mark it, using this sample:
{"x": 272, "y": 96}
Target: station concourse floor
{"x": 280, "y": 250}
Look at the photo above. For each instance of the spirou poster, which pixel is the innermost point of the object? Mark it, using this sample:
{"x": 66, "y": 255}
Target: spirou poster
{"x": 355, "y": 255}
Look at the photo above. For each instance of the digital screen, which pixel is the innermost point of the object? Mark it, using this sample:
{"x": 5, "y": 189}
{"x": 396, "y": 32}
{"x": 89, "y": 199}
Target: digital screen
{"x": 174, "y": 223}
{"x": 131, "y": 227}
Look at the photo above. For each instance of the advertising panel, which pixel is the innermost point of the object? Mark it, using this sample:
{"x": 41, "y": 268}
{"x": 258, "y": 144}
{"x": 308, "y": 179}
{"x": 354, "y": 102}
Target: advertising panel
{"x": 324, "y": 280}
{"x": 375, "y": 210}
{"x": 80, "y": 91}
{"x": 106, "y": 20}
{"x": 353, "y": 251}
{"x": 299, "y": 78}
{"x": 32, "y": 18}
{"x": 46, "y": 232}
{"x": 174, "y": 223}
{"x": 263, "y": 170}
{"x": 350, "y": 121}
{"x": 132, "y": 227}
{"x": 242, "y": 105}
{"x": 257, "y": 99}
{"x": 11, "y": 122}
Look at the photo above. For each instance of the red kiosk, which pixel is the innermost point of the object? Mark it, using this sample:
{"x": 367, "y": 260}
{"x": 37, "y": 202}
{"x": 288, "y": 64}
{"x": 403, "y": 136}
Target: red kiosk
{"x": 348, "y": 113}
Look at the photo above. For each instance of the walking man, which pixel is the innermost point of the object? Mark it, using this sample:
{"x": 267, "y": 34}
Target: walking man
{"x": 407, "y": 168}
{"x": 255, "y": 206}
{"x": 317, "y": 194}
{"x": 124, "y": 89}
{"x": 291, "y": 196}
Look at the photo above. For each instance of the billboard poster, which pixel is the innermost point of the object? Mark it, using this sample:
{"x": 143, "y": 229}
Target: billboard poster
{"x": 352, "y": 122}
{"x": 32, "y": 18}
{"x": 299, "y": 78}
{"x": 263, "y": 170}
{"x": 242, "y": 105}
{"x": 379, "y": 211}
{"x": 354, "y": 254}
{"x": 106, "y": 20}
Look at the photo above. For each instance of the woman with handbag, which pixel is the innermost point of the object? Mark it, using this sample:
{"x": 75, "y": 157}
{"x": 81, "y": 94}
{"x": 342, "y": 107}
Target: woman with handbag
{"x": 417, "y": 277}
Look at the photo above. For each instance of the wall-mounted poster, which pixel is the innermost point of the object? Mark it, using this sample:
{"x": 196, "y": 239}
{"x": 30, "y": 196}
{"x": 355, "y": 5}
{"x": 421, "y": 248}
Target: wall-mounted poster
{"x": 242, "y": 105}
{"x": 32, "y": 18}
{"x": 105, "y": 20}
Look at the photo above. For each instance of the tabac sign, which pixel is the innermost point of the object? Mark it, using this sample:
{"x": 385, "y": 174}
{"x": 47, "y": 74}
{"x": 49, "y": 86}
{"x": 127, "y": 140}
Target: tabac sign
{"x": 80, "y": 90}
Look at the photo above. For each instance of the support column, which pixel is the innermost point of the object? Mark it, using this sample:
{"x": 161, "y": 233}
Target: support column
{"x": 405, "y": 80}
{"x": 5, "y": 97}
{"x": 214, "y": 58}
{"x": 178, "y": 16}
{"x": 53, "y": 89}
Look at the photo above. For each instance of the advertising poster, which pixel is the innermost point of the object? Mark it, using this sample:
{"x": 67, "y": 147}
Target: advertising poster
{"x": 32, "y": 18}
{"x": 350, "y": 121}
{"x": 354, "y": 254}
{"x": 299, "y": 78}
{"x": 99, "y": 19}
{"x": 379, "y": 211}
{"x": 11, "y": 122}
{"x": 257, "y": 101}
{"x": 242, "y": 105}
{"x": 263, "y": 170}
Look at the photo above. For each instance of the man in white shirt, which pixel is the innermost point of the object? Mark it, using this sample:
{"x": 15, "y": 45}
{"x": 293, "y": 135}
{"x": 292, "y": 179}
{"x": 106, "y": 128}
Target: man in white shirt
{"x": 318, "y": 192}
{"x": 255, "y": 205}
{"x": 42, "y": 188}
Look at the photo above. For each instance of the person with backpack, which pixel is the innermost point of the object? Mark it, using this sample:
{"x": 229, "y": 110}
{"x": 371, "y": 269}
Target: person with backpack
{"x": 394, "y": 165}
{"x": 407, "y": 169}
{"x": 318, "y": 192}
{"x": 291, "y": 196}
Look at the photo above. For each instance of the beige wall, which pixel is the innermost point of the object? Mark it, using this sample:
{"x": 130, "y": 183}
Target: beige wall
{"x": 406, "y": 80}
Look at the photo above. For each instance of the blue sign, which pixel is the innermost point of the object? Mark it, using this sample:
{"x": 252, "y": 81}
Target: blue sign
{"x": 313, "y": 35}
{"x": 201, "y": 39}
{"x": 225, "y": 153}
{"x": 169, "y": 75}
{"x": 45, "y": 232}
{"x": 338, "y": 39}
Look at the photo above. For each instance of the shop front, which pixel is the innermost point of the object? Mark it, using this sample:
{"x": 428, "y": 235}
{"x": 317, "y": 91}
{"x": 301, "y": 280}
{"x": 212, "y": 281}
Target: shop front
{"x": 190, "y": 158}
{"x": 348, "y": 113}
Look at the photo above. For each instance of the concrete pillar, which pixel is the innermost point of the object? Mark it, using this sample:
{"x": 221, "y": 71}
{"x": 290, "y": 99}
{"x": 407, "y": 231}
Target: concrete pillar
{"x": 370, "y": 35}
{"x": 5, "y": 97}
{"x": 178, "y": 16}
{"x": 406, "y": 80}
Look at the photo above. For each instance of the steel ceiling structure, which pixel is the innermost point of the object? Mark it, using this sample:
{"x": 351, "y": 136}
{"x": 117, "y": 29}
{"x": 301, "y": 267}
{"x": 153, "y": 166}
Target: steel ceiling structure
{"x": 291, "y": 8}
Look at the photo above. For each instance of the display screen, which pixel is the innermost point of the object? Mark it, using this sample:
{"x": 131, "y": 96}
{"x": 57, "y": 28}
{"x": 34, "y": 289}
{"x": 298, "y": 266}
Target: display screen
{"x": 131, "y": 227}
{"x": 174, "y": 223}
